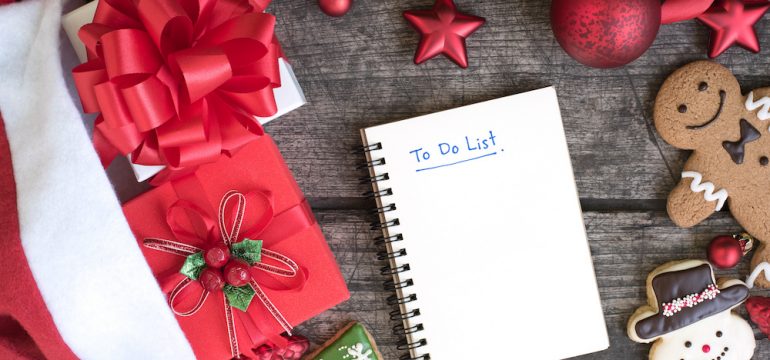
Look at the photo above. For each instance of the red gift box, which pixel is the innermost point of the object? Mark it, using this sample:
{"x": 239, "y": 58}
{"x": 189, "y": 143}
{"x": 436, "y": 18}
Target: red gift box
{"x": 257, "y": 167}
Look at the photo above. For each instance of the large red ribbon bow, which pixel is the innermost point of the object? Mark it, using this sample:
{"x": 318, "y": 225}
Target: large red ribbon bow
{"x": 200, "y": 233}
{"x": 178, "y": 82}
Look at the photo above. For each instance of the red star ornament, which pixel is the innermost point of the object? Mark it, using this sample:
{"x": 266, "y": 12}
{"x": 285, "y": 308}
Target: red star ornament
{"x": 443, "y": 30}
{"x": 731, "y": 22}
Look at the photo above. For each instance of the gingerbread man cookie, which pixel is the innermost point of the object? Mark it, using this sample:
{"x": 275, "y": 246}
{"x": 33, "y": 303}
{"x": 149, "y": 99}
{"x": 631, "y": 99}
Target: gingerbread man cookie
{"x": 689, "y": 315}
{"x": 700, "y": 107}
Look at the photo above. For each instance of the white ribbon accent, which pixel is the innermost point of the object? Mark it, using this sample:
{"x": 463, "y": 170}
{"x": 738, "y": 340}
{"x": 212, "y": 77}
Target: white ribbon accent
{"x": 763, "y": 266}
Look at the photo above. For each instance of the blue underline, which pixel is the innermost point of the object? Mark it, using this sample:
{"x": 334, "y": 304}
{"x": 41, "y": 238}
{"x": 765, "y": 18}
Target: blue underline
{"x": 458, "y": 162}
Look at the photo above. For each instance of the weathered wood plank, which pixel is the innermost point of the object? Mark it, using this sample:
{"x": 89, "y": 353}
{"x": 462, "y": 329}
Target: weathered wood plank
{"x": 625, "y": 246}
{"x": 357, "y": 71}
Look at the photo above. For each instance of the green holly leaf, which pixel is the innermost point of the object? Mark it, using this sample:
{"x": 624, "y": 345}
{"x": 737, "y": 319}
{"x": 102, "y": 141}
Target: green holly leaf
{"x": 239, "y": 297}
{"x": 193, "y": 265}
{"x": 248, "y": 250}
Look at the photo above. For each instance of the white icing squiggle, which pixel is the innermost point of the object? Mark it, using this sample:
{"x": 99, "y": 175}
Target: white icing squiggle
{"x": 707, "y": 188}
{"x": 764, "y": 103}
{"x": 763, "y": 266}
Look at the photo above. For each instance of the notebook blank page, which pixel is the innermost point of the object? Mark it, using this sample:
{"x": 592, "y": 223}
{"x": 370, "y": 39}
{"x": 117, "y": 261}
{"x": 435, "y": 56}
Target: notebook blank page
{"x": 493, "y": 230}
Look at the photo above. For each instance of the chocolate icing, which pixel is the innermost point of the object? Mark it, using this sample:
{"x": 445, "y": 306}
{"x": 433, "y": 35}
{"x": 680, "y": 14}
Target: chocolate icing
{"x": 676, "y": 284}
{"x": 736, "y": 149}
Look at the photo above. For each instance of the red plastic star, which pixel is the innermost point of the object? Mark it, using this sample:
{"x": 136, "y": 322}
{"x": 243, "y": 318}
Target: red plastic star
{"x": 443, "y": 30}
{"x": 731, "y": 22}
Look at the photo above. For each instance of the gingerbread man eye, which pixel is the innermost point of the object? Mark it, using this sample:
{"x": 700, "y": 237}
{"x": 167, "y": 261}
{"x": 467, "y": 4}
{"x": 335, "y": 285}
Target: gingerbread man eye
{"x": 683, "y": 108}
{"x": 719, "y": 334}
{"x": 687, "y": 344}
{"x": 764, "y": 161}
{"x": 703, "y": 86}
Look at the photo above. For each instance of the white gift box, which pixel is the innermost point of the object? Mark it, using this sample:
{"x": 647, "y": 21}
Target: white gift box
{"x": 288, "y": 96}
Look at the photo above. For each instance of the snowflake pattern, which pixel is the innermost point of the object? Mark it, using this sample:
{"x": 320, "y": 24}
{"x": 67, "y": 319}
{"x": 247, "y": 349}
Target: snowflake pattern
{"x": 355, "y": 352}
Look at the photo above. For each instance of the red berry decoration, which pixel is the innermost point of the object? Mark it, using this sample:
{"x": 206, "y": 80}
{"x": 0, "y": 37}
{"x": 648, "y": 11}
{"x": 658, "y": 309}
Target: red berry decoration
{"x": 605, "y": 33}
{"x": 237, "y": 273}
{"x": 211, "y": 279}
{"x": 335, "y": 8}
{"x": 217, "y": 256}
{"x": 726, "y": 251}
{"x": 759, "y": 311}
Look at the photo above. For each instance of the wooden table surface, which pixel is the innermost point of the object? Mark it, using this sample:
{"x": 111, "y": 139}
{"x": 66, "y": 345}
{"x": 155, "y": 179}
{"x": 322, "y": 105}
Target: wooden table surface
{"x": 357, "y": 71}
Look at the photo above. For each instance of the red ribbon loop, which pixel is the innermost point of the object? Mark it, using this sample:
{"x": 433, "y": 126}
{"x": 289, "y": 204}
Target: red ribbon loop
{"x": 177, "y": 290}
{"x": 175, "y": 80}
{"x": 679, "y": 10}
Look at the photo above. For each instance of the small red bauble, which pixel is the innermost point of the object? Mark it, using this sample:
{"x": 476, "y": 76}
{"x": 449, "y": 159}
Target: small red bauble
{"x": 726, "y": 251}
{"x": 237, "y": 273}
{"x": 211, "y": 279}
{"x": 335, "y": 7}
{"x": 605, "y": 33}
{"x": 217, "y": 256}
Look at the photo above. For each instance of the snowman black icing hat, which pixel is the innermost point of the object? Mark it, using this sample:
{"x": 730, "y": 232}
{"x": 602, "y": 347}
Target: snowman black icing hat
{"x": 684, "y": 296}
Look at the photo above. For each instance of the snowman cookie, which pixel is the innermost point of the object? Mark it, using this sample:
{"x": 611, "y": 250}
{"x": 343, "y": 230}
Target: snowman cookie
{"x": 689, "y": 315}
{"x": 700, "y": 107}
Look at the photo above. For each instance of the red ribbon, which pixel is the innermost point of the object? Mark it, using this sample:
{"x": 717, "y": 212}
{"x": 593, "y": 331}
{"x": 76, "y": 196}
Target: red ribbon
{"x": 679, "y": 10}
{"x": 191, "y": 224}
{"x": 178, "y": 82}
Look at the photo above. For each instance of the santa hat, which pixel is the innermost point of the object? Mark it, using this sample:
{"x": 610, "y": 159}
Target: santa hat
{"x": 72, "y": 275}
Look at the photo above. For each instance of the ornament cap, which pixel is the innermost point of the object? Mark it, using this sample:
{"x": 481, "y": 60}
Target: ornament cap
{"x": 746, "y": 241}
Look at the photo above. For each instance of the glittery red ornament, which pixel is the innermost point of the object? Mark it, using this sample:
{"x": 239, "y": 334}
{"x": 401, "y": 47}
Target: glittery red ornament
{"x": 217, "y": 256}
{"x": 759, "y": 311}
{"x": 237, "y": 273}
{"x": 443, "y": 30}
{"x": 211, "y": 279}
{"x": 732, "y": 22}
{"x": 335, "y": 7}
{"x": 605, "y": 33}
{"x": 726, "y": 251}
{"x": 296, "y": 347}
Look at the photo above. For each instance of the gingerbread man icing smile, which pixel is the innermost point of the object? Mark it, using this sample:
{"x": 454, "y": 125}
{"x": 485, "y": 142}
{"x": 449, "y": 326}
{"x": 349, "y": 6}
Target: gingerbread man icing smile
{"x": 700, "y": 107}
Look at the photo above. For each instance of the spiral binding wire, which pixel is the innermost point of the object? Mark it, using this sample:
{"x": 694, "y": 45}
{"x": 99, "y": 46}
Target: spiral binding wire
{"x": 408, "y": 341}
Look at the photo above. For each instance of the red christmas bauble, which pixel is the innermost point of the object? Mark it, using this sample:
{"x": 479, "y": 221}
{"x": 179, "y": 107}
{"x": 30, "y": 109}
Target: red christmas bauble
{"x": 605, "y": 33}
{"x": 217, "y": 256}
{"x": 211, "y": 279}
{"x": 725, "y": 251}
{"x": 237, "y": 273}
{"x": 335, "y": 7}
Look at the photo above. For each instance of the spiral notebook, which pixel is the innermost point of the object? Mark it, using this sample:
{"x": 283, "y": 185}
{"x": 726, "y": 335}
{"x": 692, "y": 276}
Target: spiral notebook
{"x": 484, "y": 234}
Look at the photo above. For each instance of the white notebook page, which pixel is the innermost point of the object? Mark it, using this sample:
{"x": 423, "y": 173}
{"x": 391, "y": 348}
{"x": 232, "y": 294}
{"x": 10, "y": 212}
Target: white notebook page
{"x": 493, "y": 230}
